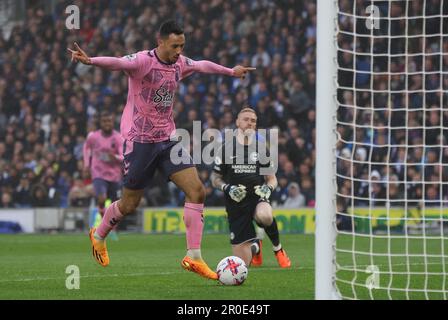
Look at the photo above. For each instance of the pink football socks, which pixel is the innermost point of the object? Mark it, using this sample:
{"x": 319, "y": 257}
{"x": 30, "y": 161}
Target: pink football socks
{"x": 111, "y": 218}
{"x": 194, "y": 223}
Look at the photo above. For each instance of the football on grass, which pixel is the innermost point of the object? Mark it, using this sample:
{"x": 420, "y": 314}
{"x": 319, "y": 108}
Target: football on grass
{"x": 232, "y": 271}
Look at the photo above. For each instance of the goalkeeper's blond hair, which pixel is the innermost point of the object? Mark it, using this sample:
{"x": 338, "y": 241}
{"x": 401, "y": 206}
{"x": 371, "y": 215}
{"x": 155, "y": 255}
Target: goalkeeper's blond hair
{"x": 246, "y": 109}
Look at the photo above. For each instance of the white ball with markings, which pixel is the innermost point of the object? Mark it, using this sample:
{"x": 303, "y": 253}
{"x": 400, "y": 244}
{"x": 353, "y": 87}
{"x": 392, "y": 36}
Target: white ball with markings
{"x": 232, "y": 271}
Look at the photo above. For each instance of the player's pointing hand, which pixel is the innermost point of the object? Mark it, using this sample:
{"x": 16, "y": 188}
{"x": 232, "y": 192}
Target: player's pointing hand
{"x": 240, "y": 71}
{"x": 79, "y": 55}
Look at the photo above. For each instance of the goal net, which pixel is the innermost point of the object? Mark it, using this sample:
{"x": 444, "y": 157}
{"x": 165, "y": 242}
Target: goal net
{"x": 391, "y": 149}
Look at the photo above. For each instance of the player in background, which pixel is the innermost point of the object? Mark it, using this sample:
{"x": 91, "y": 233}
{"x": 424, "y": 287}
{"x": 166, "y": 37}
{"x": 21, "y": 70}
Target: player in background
{"x": 146, "y": 125}
{"x": 247, "y": 194}
{"x": 103, "y": 159}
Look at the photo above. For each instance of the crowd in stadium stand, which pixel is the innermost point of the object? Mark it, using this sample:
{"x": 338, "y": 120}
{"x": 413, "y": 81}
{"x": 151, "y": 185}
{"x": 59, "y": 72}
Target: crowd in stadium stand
{"x": 48, "y": 104}
{"x": 408, "y": 112}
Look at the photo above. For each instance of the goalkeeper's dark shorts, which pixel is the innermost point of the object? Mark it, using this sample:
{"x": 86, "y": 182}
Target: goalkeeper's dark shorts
{"x": 142, "y": 159}
{"x": 241, "y": 220}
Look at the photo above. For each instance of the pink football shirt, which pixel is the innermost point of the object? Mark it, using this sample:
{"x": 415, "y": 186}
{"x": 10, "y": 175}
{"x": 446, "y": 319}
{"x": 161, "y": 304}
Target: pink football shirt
{"x": 148, "y": 114}
{"x": 104, "y": 155}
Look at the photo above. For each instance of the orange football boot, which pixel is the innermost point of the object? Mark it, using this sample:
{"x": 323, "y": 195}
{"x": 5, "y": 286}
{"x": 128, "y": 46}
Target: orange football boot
{"x": 99, "y": 249}
{"x": 198, "y": 266}
{"x": 283, "y": 259}
{"x": 257, "y": 259}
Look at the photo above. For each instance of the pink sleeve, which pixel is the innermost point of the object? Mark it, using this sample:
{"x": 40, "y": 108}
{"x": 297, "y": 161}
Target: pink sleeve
{"x": 86, "y": 152}
{"x": 204, "y": 66}
{"x": 129, "y": 63}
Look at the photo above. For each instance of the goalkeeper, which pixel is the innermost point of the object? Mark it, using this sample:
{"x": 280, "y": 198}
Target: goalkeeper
{"x": 247, "y": 194}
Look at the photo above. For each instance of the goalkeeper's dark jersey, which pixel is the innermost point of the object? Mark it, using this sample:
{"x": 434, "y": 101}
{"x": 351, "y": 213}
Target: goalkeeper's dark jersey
{"x": 236, "y": 168}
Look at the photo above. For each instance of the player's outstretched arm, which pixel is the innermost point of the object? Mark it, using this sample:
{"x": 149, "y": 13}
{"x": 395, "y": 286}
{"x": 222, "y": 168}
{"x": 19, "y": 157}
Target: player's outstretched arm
{"x": 110, "y": 63}
{"x": 79, "y": 55}
{"x": 240, "y": 71}
{"x": 205, "y": 66}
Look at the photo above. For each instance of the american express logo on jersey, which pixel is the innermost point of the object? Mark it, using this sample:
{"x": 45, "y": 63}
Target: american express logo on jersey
{"x": 242, "y": 168}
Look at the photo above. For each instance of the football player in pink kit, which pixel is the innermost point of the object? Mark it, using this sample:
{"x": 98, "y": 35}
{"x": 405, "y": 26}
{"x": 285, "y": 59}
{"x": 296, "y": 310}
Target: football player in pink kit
{"x": 103, "y": 158}
{"x": 146, "y": 125}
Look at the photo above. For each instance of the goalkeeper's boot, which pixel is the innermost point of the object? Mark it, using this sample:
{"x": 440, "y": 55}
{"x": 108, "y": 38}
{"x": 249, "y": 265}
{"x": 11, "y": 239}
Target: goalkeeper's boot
{"x": 257, "y": 259}
{"x": 282, "y": 259}
{"x": 198, "y": 266}
{"x": 99, "y": 249}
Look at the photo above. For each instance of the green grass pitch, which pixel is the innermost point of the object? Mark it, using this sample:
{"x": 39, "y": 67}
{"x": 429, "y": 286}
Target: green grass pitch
{"x": 148, "y": 267}
{"x": 415, "y": 268}
{"x": 144, "y": 267}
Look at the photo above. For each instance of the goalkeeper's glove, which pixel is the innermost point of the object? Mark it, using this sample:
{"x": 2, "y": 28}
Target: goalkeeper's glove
{"x": 264, "y": 191}
{"x": 237, "y": 193}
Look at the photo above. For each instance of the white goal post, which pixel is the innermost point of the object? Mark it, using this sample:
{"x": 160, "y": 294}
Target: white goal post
{"x": 382, "y": 149}
{"x": 325, "y": 143}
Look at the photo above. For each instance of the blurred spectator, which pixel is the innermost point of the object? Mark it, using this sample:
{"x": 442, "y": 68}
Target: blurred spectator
{"x": 377, "y": 194}
{"x": 39, "y": 196}
{"x": 396, "y": 194}
{"x": 64, "y": 183}
{"x": 307, "y": 189}
{"x": 432, "y": 197}
{"x": 22, "y": 194}
{"x": 261, "y": 58}
{"x": 80, "y": 194}
{"x": 280, "y": 194}
{"x": 53, "y": 194}
{"x": 343, "y": 220}
{"x": 300, "y": 100}
{"x": 295, "y": 199}
{"x": 7, "y": 201}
